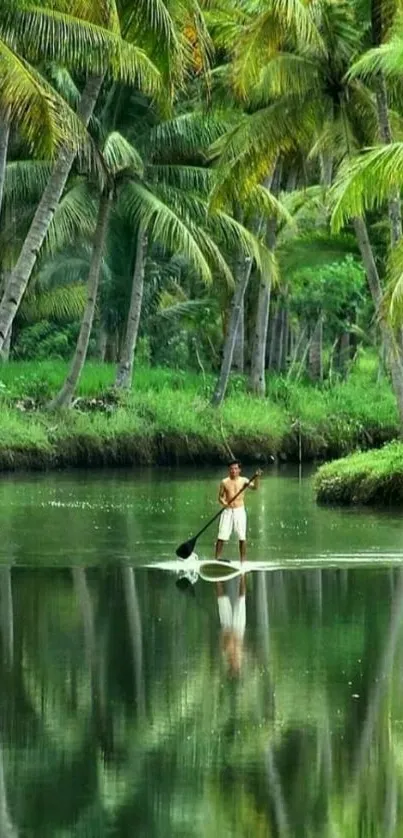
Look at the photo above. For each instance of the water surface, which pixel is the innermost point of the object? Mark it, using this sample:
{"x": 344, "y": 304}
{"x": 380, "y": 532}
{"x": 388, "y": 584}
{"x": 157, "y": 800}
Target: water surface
{"x": 127, "y": 708}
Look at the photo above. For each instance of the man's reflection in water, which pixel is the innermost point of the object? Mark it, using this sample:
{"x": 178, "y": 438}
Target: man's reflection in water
{"x": 232, "y": 613}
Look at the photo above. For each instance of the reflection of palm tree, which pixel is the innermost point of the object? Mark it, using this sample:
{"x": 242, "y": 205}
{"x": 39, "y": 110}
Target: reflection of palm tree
{"x": 7, "y": 830}
{"x": 94, "y": 661}
{"x": 7, "y": 615}
{"x": 135, "y": 632}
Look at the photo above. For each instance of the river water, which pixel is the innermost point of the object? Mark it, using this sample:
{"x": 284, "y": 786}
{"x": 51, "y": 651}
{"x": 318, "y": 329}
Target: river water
{"x": 270, "y": 706}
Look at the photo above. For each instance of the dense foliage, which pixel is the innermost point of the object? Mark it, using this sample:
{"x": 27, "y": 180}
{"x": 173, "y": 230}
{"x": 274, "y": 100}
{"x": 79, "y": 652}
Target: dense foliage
{"x": 211, "y": 187}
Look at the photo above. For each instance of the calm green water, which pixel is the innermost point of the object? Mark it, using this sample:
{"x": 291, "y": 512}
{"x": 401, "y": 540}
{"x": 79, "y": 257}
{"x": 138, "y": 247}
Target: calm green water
{"x": 127, "y": 709}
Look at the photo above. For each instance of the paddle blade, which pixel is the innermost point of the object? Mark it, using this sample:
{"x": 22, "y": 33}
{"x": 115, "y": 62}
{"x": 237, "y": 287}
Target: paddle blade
{"x": 185, "y": 585}
{"x": 186, "y": 549}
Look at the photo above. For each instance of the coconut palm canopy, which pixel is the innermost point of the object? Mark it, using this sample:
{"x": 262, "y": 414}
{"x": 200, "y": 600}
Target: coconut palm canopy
{"x": 186, "y": 174}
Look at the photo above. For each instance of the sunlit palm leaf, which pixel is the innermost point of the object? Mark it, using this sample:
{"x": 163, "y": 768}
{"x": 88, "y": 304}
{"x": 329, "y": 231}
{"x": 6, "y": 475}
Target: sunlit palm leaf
{"x": 366, "y": 182}
{"x": 119, "y": 154}
{"x": 283, "y": 21}
{"x": 43, "y": 116}
{"x": 163, "y": 225}
{"x": 85, "y": 46}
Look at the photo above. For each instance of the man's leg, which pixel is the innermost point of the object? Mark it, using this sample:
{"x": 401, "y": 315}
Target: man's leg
{"x": 242, "y": 550}
{"x": 218, "y": 548}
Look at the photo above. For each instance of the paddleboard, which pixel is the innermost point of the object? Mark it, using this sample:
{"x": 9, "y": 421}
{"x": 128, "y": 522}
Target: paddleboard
{"x": 212, "y": 570}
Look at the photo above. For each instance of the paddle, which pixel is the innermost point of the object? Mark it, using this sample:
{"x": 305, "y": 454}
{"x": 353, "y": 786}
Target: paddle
{"x": 186, "y": 549}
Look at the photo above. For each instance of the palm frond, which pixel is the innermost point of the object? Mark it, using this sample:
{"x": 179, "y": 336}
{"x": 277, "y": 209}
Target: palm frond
{"x": 186, "y": 178}
{"x": 366, "y": 182}
{"x": 59, "y": 304}
{"x": 187, "y": 135}
{"x": 44, "y": 118}
{"x": 248, "y": 151}
{"x": 282, "y": 22}
{"x": 58, "y": 37}
{"x": 25, "y": 181}
{"x": 284, "y": 74}
{"x": 163, "y": 225}
{"x": 119, "y": 154}
{"x": 262, "y": 202}
{"x": 170, "y": 309}
{"x": 388, "y": 59}
{"x": 74, "y": 218}
{"x": 63, "y": 82}
{"x": 103, "y": 12}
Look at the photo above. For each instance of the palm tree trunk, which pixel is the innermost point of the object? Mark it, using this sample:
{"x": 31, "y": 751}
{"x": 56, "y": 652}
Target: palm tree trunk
{"x": 5, "y": 352}
{"x": 102, "y": 341}
{"x": 64, "y": 397}
{"x": 243, "y": 272}
{"x": 238, "y": 360}
{"x": 275, "y": 324}
{"x": 4, "y": 139}
{"x": 393, "y": 360}
{"x": 257, "y": 379}
{"x": 394, "y": 206}
{"x": 316, "y": 351}
{"x": 43, "y": 217}
{"x": 125, "y": 369}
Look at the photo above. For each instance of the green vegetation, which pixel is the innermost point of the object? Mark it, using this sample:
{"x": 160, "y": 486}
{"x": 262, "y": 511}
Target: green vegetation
{"x": 207, "y": 187}
{"x": 370, "y": 477}
{"x": 167, "y": 417}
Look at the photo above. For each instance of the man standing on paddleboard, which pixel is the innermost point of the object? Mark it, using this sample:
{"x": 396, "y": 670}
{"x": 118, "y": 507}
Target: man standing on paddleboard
{"x": 233, "y": 516}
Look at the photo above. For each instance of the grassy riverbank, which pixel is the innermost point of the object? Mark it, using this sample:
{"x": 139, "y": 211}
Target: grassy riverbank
{"x": 167, "y": 418}
{"x": 370, "y": 477}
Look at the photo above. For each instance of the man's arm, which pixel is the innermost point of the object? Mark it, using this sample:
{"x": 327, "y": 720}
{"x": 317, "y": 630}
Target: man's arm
{"x": 222, "y": 494}
{"x": 256, "y": 481}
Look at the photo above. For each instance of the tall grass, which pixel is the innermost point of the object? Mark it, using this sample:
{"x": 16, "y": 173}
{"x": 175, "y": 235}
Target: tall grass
{"x": 365, "y": 477}
{"x": 172, "y": 409}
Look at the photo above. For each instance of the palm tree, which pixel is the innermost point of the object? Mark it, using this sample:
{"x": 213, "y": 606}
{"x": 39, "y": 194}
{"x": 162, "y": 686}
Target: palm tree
{"x": 118, "y": 156}
{"x": 109, "y": 51}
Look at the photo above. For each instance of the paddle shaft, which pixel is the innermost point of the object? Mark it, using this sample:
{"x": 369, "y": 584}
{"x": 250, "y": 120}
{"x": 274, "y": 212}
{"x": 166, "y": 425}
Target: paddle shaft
{"x": 217, "y": 515}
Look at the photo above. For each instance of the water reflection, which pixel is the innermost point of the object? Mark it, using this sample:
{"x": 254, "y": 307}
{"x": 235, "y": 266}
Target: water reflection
{"x": 255, "y": 707}
{"x": 231, "y": 601}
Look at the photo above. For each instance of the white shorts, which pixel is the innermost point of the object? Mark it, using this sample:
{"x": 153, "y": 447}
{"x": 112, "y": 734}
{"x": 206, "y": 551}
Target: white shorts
{"x": 232, "y": 519}
{"x": 232, "y": 618}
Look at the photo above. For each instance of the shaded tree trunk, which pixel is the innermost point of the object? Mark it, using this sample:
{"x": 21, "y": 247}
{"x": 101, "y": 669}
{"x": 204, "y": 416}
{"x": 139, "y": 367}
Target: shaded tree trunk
{"x": 394, "y": 206}
{"x": 4, "y": 140}
{"x": 102, "y": 341}
{"x": 315, "y": 355}
{"x": 43, "y": 217}
{"x": 392, "y": 357}
{"x": 64, "y": 397}
{"x": 275, "y": 326}
{"x": 238, "y": 361}
{"x": 125, "y": 369}
{"x": 257, "y": 379}
{"x": 243, "y": 272}
{"x": 344, "y": 348}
